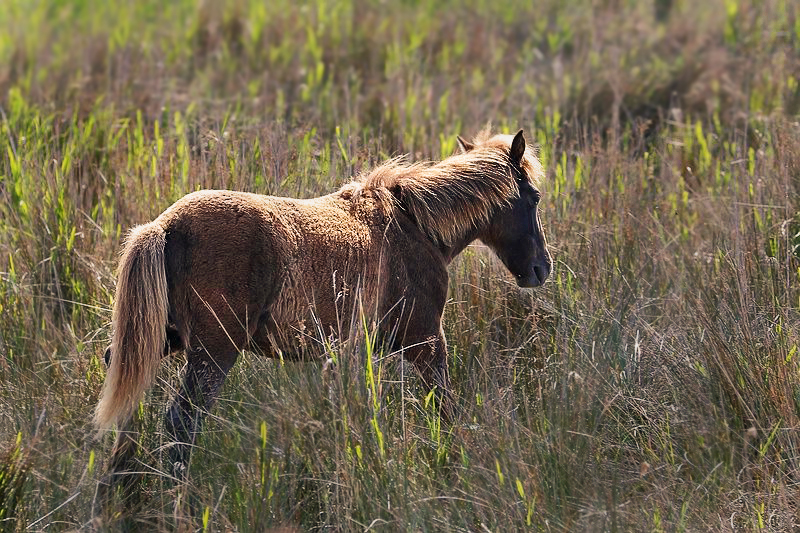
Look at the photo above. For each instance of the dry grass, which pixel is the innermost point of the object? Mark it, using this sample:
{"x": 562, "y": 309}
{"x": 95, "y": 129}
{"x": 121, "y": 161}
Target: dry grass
{"x": 650, "y": 385}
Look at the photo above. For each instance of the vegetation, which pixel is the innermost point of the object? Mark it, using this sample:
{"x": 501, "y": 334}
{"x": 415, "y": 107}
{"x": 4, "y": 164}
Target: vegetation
{"x": 651, "y": 384}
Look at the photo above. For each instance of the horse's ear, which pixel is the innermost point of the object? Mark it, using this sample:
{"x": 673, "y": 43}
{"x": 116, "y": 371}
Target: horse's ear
{"x": 465, "y": 145}
{"x": 518, "y": 146}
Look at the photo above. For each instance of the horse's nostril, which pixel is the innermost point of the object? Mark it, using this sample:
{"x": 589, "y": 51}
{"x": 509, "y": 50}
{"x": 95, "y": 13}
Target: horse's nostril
{"x": 541, "y": 273}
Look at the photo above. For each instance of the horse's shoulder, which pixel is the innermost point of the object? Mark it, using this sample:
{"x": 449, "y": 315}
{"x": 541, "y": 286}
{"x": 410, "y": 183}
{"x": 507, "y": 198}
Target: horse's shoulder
{"x": 412, "y": 248}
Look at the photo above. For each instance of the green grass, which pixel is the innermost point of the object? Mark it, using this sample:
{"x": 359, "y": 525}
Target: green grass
{"x": 651, "y": 384}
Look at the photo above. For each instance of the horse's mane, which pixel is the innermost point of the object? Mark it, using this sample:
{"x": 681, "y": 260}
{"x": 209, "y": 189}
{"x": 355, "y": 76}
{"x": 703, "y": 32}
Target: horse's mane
{"x": 448, "y": 198}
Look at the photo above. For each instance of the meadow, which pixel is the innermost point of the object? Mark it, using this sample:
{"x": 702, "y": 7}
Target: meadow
{"x": 650, "y": 385}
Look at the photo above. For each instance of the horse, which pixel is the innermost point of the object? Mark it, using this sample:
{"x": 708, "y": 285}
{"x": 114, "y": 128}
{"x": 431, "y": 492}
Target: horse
{"x": 220, "y": 271}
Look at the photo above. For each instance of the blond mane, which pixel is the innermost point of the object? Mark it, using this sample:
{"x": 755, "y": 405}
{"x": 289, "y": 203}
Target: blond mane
{"x": 452, "y": 196}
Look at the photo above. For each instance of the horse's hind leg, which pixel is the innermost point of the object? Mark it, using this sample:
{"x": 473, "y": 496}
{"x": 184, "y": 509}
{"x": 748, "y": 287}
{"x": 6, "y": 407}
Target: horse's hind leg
{"x": 173, "y": 344}
{"x": 123, "y": 465}
{"x": 203, "y": 378}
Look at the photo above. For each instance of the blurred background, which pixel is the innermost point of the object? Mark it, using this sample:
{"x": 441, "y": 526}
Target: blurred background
{"x": 651, "y": 384}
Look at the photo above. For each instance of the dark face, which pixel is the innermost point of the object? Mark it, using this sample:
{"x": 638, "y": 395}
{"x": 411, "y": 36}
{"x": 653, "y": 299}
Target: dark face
{"x": 516, "y": 236}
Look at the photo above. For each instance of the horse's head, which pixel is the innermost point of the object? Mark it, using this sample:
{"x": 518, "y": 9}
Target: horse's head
{"x": 514, "y": 232}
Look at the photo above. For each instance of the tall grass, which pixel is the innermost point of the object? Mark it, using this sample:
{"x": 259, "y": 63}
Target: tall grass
{"x": 651, "y": 384}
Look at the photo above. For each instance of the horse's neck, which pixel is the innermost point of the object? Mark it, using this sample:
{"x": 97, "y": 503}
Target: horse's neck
{"x": 451, "y": 251}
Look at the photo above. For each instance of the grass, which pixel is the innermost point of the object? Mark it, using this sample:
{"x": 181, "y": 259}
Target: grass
{"x": 651, "y": 384}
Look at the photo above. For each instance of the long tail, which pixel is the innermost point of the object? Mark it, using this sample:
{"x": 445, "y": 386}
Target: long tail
{"x": 139, "y": 325}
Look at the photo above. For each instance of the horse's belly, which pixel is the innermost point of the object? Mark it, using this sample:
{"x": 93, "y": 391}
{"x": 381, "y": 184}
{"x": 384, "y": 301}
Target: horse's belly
{"x": 303, "y": 317}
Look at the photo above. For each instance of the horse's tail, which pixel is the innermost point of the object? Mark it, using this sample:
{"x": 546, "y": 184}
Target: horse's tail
{"x": 139, "y": 324}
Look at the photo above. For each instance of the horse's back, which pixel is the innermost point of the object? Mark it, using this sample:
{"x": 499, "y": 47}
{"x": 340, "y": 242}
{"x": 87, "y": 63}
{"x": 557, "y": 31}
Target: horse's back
{"x": 256, "y": 258}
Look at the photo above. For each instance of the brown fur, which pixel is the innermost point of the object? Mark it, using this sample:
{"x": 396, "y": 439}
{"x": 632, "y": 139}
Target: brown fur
{"x": 222, "y": 271}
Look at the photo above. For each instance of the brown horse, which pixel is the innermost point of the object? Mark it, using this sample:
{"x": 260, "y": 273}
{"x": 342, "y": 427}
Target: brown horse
{"x": 223, "y": 271}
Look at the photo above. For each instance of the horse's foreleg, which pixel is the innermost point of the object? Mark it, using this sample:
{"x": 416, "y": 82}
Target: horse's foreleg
{"x": 429, "y": 356}
{"x": 203, "y": 378}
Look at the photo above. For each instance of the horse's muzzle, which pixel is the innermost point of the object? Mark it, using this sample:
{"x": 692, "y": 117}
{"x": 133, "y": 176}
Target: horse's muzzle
{"x": 535, "y": 278}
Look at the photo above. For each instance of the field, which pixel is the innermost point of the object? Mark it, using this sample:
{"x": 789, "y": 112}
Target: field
{"x": 651, "y": 385}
